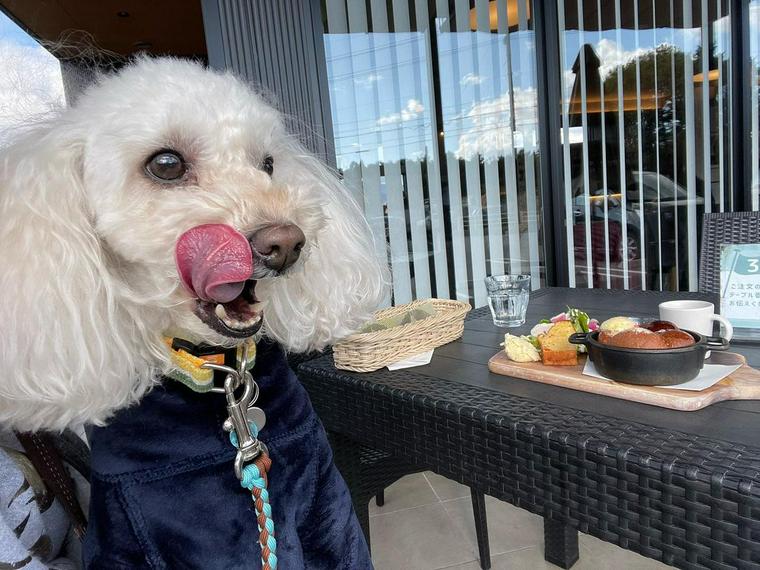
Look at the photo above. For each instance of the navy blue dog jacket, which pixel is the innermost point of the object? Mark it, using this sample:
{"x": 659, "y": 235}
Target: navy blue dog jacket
{"x": 164, "y": 494}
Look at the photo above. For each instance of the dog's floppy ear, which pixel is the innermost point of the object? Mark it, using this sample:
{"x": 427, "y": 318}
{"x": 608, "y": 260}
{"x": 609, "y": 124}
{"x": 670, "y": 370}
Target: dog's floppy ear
{"x": 343, "y": 279}
{"x": 67, "y": 354}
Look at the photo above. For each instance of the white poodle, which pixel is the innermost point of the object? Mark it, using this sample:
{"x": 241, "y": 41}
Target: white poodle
{"x": 92, "y": 205}
{"x": 170, "y": 203}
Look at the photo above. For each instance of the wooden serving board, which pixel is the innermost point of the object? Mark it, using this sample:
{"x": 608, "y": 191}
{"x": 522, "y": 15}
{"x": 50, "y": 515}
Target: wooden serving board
{"x": 743, "y": 384}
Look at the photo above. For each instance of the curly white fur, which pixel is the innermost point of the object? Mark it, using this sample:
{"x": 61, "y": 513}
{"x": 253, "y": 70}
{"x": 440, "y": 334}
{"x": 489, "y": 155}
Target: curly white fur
{"x": 89, "y": 285}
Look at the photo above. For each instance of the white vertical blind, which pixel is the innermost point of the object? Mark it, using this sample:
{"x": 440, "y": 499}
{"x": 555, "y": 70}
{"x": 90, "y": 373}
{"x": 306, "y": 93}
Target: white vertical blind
{"x": 657, "y": 152}
{"x": 511, "y": 204}
{"x": 412, "y": 91}
{"x": 674, "y": 121}
{"x": 356, "y": 178}
{"x": 621, "y": 145}
{"x": 585, "y": 165}
{"x": 456, "y": 215}
{"x": 530, "y": 139}
{"x": 491, "y": 164}
{"x": 658, "y": 119}
{"x": 465, "y": 64}
{"x": 691, "y": 171}
{"x": 385, "y": 51}
{"x": 436, "y": 132}
{"x": 706, "y": 155}
{"x": 639, "y": 153}
{"x": 565, "y": 89}
{"x": 605, "y": 187}
{"x": 368, "y": 172}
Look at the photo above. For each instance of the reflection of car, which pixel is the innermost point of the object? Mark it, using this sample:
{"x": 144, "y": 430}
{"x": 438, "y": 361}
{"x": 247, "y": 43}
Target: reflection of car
{"x": 651, "y": 198}
{"x": 668, "y": 192}
{"x": 614, "y": 221}
{"x": 669, "y": 203}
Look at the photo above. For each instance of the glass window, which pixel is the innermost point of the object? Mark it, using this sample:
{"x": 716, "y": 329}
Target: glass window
{"x": 646, "y": 137}
{"x": 434, "y": 109}
{"x": 30, "y": 79}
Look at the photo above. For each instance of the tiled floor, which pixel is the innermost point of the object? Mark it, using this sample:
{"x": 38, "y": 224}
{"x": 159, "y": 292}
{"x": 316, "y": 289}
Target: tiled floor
{"x": 427, "y": 524}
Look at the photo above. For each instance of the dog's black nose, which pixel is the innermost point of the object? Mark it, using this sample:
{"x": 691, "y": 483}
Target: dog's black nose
{"x": 278, "y": 245}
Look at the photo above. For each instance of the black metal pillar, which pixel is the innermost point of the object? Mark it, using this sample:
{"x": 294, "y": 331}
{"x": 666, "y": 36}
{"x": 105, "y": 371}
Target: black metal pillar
{"x": 549, "y": 127}
{"x": 741, "y": 112}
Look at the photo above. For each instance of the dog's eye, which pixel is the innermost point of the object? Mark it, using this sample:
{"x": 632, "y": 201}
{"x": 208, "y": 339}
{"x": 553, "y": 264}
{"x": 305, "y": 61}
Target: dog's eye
{"x": 268, "y": 165}
{"x": 166, "y": 166}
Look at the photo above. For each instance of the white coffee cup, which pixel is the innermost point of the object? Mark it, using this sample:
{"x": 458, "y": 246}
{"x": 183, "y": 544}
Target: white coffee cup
{"x": 697, "y": 316}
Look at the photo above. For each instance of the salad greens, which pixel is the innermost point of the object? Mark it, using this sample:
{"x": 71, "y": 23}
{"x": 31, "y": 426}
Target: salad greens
{"x": 580, "y": 319}
{"x": 582, "y": 323}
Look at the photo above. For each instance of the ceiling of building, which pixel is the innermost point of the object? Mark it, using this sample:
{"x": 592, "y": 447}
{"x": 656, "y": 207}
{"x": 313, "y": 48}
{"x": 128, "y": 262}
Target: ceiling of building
{"x": 121, "y": 26}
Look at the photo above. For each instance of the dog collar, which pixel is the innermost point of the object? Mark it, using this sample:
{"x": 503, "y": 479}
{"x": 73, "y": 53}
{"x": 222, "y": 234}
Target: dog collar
{"x": 188, "y": 360}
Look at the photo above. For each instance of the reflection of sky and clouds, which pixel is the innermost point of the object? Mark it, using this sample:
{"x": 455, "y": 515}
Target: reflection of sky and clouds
{"x": 384, "y": 89}
{"x": 405, "y": 96}
{"x": 754, "y": 31}
{"x": 30, "y": 79}
{"x": 670, "y": 136}
{"x": 379, "y": 86}
{"x": 613, "y": 53}
{"x": 380, "y": 94}
{"x": 484, "y": 116}
{"x": 381, "y": 111}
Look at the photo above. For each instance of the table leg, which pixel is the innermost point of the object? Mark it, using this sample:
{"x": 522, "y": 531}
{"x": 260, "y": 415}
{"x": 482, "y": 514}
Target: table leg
{"x": 560, "y": 543}
{"x": 347, "y": 458}
{"x": 481, "y": 527}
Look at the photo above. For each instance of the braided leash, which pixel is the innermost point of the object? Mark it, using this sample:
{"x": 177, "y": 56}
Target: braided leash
{"x": 252, "y": 462}
{"x": 255, "y": 480}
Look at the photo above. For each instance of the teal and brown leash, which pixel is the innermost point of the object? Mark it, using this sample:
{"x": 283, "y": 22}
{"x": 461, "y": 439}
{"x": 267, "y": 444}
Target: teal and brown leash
{"x": 252, "y": 461}
{"x": 255, "y": 480}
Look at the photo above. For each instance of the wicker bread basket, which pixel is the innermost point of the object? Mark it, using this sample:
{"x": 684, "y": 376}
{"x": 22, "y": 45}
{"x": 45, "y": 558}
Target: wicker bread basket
{"x": 366, "y": 352}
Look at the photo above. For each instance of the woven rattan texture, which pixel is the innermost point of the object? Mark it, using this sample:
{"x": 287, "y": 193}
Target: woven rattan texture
{"x": 719, "y": 229}
{"x": 367, "y": 352}
{"x": 688, "y": 501}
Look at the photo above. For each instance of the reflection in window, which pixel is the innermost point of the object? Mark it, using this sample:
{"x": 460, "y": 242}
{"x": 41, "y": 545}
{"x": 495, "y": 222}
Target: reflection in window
{"x": 645, "y": 116}
{"x": 435, "y": 126}
{"x": 30, "y": 79}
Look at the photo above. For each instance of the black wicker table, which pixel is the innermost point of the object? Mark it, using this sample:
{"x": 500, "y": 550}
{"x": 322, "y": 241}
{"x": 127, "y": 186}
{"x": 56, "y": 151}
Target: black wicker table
{"x": 680, "y": 487}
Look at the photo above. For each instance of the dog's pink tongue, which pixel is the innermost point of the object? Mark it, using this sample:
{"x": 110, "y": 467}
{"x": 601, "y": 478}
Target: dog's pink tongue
{"x": 214, "y": 261}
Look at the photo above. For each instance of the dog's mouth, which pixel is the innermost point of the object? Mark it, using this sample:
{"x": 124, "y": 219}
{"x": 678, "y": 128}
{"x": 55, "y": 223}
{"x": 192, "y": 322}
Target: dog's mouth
{"x": 239, "y": 318}
{"x": 215, "y": 264}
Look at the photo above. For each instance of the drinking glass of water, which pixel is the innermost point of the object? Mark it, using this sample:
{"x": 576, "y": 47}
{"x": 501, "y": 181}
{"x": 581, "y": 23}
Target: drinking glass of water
{"x": 508, "y": 299}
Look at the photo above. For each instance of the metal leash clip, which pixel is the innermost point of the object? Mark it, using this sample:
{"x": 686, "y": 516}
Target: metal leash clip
{"x": 249, "y": 447}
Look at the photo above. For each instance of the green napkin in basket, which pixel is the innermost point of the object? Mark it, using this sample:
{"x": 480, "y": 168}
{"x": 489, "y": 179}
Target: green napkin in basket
{"x": 420, "y": 312}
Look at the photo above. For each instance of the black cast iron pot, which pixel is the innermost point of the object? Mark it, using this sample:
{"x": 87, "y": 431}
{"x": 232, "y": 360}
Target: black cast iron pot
{"x": 649, "y": 367}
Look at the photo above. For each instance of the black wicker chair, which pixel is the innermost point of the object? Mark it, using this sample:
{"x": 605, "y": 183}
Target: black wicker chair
{"x": 719, "y": 229}
{"x": 368, "y": 472}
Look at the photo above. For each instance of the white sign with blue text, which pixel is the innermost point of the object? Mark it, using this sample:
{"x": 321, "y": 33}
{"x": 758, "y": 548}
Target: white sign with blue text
{"x": 740, "y": 286}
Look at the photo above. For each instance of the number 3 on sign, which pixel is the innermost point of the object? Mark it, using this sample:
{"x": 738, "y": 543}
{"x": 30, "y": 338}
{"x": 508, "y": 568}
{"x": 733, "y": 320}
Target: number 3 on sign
{"x": 753, "y": 265}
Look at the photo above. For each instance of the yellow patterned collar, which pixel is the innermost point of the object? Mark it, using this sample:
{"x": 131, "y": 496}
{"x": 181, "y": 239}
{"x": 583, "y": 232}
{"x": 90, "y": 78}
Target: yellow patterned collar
{"x": 187, "y": 367}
